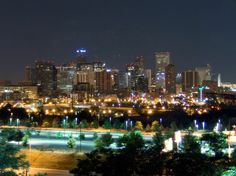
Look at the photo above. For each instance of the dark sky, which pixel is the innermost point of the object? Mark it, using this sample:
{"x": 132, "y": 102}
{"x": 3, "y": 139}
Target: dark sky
{"x": 196, "y": 32}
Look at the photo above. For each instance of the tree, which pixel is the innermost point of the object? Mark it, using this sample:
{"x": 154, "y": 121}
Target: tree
{"x": 191, "y": 144}
{"x": 107, "y": 124}
{"x": 45, "y": 124}
{"x": 40, "y": 174}
{"x": 158, "y": 142}
{"x": 173, "y": 126}
{"x": 229, "y": 172}
{"x": 84, "y": 124}
{"x": 10, "y": 160}
{"x": 25, "y": 140}
{"x": 155, "y": 126}
{"x": 12, "y": 135}
{"x": 131, "y": 141}
{"x": 64, "y": 124}
{"x": 117, "y": 124}
{"x": 95, "y": 124}
{"x": 95, "y": 136}
{"x": 148, "y": 128}
{"x": 104, "y": 141}
{"x": 74, "y": 124}
{"x": 189, "y": 164}
{"x": 216, "y": 141}
{"x": 56, "y": 122}
{"x": 81, "y": 136}
{"x": 138, "y": 125}
{"x": 71, "y": 143}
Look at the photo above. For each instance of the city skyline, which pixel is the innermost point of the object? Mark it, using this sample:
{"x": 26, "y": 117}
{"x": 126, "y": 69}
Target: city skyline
{"x": 54, "y": 30}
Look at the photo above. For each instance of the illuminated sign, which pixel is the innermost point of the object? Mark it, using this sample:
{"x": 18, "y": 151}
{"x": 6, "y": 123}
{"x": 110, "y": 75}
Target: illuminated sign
{"x": 81, "y": 50}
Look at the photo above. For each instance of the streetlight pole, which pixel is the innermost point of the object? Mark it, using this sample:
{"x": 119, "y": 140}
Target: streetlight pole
{"x": 80, "y": 137}
{"x": 17, "y": 123}
{"x": 64, "y": 125}
{"x": 110, "y": 124}
{"x": 10, "y": 121}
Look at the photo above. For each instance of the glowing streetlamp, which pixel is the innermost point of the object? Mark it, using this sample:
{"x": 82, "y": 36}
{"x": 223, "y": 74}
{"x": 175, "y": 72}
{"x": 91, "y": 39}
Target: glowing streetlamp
{"x": 17, "y": 122}
{"x": 131, "y": 124}
{"x": 160, "y": 120}
{"x": 203, "y": 125}
{"x": 110, "y": 123}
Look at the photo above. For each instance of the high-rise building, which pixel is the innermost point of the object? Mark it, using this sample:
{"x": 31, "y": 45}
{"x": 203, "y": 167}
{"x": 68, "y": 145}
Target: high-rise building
{"x": 162, "y": 60}
{"x": 170, "y": 79}
{"x": 66, "y": 79}
{"x": 204, "y": 73}
{"x": 139, "y": 65}
{"x": 148, "y": 75}
{"x": 45, "y": 77}
{"x": 103, "y": 82}
{"x": 189, "y": 80}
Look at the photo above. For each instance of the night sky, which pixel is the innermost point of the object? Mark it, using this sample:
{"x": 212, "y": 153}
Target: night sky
{"x": 196, "y": 32}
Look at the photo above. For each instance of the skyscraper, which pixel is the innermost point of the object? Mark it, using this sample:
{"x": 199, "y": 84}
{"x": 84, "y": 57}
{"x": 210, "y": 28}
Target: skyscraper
{"x": 139, "y": 65}
{"x": 162, "y": 60}
{"x": 103, "y": 82}
{"x": 189, "y": 80}
{"x": 45, "y": 77}
{"x": 204, "y": 73}
{"x": 170, "y": 79}
{"x": 65, "y": 79}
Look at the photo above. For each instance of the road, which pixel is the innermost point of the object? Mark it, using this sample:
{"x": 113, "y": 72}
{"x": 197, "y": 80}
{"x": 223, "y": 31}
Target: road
{"x": 49, "y": 172}
{"x": 57, "y": 139}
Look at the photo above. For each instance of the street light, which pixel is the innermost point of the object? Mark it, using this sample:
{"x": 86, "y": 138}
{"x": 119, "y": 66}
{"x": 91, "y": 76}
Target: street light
{"x": 110, "y": 123}
{"x": 131, "y": 124}
{"x": 17, "y": 122}
{"x": 64, "y": 125}
{"x": 80, "y": 136}
{"x": 203, "y": 125}
{"x": 10, "y": 121}
{"x": 126, "y": 124}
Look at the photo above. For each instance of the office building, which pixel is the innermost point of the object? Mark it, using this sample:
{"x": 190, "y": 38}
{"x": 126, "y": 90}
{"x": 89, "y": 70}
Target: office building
{"x": 189, "y": 80}
{"x": 170, "y": 79}
{"x": 162, "y": 59}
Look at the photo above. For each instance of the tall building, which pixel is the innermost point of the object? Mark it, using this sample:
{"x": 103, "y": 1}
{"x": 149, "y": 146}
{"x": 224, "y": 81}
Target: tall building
{"x": 204, "y": 73}
{"x": 139, "y": 65}
{"x": 45, "y": 77}
{"x": 65, "y": 79}
{"x": 30, "y": 74}
{"x": 103, "y": 82}
{"x": 189, "y": 80}
{"x": 170, "y": 79}
{"x": 162, "y": 59}
{"x": 148, "y": 75}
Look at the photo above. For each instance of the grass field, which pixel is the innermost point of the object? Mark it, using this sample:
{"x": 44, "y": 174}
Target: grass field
{"x": 51, "y": 160}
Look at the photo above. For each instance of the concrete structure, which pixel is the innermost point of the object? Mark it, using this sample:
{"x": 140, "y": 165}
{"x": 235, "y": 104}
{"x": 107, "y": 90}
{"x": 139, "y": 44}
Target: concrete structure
{"x": 204, "y": 73}
{"x": 65, "y": 79}
{"x": 170, "y": 79}
{"x": 189, "y": 80}
{"x": 162, "y": 59}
